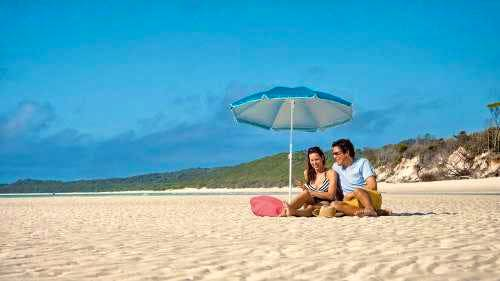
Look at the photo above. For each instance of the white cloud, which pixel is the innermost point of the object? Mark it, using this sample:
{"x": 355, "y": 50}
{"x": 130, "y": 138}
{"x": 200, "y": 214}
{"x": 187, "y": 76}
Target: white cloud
{"x": 28, "y": 119}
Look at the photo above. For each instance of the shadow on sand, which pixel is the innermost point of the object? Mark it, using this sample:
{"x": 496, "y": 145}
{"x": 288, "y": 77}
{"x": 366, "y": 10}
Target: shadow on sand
{"x": 408, "y": 214}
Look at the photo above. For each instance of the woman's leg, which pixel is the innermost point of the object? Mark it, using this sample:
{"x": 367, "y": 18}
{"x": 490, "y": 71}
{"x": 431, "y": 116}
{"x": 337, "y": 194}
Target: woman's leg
{"x": 293, "y": 209}
{"x": 303, "y": 198}
{"x": 305, "y": 212}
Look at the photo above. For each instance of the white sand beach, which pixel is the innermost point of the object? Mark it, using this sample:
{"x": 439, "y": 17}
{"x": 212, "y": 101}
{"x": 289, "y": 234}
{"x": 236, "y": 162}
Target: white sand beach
{"x": 436, "y": 236}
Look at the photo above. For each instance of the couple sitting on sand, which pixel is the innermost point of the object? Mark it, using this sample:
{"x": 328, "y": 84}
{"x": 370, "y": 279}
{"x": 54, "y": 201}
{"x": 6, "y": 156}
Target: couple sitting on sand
{"x": 356, "y": 193}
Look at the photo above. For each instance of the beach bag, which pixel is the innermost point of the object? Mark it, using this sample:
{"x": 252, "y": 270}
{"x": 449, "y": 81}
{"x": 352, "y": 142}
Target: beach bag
{"x": 266, "y": 206}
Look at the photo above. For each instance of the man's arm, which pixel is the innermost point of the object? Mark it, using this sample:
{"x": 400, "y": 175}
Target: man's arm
{"x": 371, "y": 183}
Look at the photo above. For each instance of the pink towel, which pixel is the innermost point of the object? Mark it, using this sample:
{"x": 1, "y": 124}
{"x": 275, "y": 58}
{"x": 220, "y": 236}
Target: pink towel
{"x": 266, "y": 206}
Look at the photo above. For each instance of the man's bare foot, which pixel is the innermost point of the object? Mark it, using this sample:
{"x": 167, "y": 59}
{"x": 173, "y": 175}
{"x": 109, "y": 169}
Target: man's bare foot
{"x": 384, "y": 212}
{"x": 366, "y": 213}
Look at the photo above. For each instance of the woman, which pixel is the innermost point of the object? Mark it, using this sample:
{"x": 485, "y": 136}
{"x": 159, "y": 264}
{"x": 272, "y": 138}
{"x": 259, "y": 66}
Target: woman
{"x": 321, "y": 185}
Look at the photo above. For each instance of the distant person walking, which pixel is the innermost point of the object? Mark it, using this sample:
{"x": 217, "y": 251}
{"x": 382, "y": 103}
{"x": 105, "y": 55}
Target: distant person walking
{"x": 358, "y": 182}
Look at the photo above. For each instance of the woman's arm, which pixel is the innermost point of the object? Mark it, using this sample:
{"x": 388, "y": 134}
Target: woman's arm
{"x": 330, "y": 194}
{"x": 300, "y": 183}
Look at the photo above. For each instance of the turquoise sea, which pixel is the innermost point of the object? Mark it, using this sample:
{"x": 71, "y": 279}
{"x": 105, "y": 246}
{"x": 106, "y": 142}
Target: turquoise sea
{"x": 106, "y": 194}
{"x": 115, "y": 194}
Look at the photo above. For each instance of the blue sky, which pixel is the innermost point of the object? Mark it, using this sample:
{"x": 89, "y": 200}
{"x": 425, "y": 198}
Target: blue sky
{"x": 97, "y": 89}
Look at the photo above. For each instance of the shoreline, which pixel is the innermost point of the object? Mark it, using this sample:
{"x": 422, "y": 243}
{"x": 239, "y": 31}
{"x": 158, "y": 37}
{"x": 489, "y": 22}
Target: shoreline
{"x": 488, "y": 186}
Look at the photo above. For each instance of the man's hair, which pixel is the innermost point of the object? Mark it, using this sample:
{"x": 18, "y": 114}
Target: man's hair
{"x": 345, "y": 145}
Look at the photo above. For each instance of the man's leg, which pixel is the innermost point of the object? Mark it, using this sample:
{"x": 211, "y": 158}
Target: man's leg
{"x": 345, "y": 208}
{"x": 364, "y": 198}
{"x": 353, "y": 211}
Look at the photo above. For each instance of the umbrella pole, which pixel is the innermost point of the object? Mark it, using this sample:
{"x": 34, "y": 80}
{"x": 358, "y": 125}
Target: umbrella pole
{"x": 290, "y": 154}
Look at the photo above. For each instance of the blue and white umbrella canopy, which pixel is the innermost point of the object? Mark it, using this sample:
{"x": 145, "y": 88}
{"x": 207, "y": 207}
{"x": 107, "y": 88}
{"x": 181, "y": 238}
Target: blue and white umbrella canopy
{"x": 300, "y": 108}
{"x": 312, "y": 110}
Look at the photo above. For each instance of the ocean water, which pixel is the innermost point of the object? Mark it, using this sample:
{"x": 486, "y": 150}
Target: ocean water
{"x": 114, "y": 194}
{"x": 106, "y": 194}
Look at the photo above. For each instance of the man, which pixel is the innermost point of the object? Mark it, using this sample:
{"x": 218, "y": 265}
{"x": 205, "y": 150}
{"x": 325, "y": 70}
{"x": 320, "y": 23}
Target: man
{"x": 358, "y": 182}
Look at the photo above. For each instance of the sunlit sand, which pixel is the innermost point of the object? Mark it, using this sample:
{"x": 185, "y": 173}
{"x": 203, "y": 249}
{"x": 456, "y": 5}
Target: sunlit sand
{"x": 216, "y": 237}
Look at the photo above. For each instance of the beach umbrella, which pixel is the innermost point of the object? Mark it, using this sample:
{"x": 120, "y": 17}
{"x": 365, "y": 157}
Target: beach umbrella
{"x": 283, "y": 108}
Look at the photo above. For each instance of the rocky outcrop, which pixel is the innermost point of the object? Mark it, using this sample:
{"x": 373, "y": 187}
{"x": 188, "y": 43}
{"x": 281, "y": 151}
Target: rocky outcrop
{"x": 405, "y": 171}
{"x": 459, "y": 164}
{"x": 383, "y": 172}
{"x": 485, "y": 165}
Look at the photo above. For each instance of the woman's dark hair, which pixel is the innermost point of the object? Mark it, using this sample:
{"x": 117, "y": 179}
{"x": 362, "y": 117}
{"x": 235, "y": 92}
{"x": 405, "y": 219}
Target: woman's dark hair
{"x": 311, "y": 173}
{"x": 344, "y": 145}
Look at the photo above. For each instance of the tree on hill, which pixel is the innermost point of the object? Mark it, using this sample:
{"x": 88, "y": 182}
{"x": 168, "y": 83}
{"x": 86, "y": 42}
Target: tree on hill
{"x": 494, "y": 131}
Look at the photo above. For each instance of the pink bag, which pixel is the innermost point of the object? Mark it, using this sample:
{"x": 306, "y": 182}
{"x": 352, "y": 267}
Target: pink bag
{"x": 266, "y": 206}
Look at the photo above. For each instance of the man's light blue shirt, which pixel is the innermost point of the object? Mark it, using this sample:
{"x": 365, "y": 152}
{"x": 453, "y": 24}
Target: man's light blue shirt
{"x": 355, "y": 175}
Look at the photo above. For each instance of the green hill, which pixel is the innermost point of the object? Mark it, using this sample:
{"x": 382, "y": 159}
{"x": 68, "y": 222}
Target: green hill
{"x": 273, "y": 170}
{"x": 264, "y": 172}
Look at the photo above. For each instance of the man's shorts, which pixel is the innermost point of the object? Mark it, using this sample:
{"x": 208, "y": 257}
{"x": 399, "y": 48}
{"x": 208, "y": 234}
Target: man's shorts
{"x": 375, "y": 198}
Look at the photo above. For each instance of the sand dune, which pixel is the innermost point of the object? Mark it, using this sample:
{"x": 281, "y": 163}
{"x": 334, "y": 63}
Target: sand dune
{"x": 215, "y": 237}
{"x": 486, "y": 185}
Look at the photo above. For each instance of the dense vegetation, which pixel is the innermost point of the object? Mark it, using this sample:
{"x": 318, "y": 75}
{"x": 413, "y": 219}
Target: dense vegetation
{"x": 270, "y": 171}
